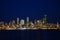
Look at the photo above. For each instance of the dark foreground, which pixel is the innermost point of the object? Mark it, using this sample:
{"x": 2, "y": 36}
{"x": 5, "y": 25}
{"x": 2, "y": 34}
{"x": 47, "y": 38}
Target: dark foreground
{"x": 29, "y": 34}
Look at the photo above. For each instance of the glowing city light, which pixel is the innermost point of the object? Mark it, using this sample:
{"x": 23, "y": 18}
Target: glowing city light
{"x": 23, "y": 25}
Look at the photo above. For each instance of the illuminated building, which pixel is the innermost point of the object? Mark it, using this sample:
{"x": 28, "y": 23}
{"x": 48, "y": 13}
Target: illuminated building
{"x": 22, "y": 22}
{"x": 31, "y": 25}
{"x": 57, "y": 25}
{"x": 17, "y": 20}
{"x": 45, "y": 19}
{"x": 36, "y": 24}
{"x": 27, "y": 19}
{"x": 13, "y": 22}
{"x": 27, "y": 22}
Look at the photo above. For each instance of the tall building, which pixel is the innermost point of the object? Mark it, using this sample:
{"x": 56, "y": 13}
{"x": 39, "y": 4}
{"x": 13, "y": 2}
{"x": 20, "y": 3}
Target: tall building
{"x": 22, "y": 22}
{"x": 27, "y": 23}
{"x": 27, "y": 19}
{"x": 13, "y": 22}
{"x": 45, "y": 19}
{"x": 17, "y": 20}
{"x": 57, "y": 25}
{"x": 35, "y": 21}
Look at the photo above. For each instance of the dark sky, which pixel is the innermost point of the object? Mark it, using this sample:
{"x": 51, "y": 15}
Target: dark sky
{"x": 11, "y": 9}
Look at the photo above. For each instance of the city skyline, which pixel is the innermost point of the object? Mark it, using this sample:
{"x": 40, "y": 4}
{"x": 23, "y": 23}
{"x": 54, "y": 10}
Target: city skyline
{"x": 27, "y": 20}
{"x": 18, "y": 19}
{"x": 28, "y": 24}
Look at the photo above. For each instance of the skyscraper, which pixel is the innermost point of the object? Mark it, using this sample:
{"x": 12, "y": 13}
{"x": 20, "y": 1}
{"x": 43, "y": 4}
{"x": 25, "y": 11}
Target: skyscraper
{"x": 57, "y": 25}
{"x": 27, "y": 23}
{"x": 44, "y": 19}
{"x": 27, "y": 19}
{"x": 13, "y": 22}
{"x": 17, "y": 20}
{"x": 22, "y": 22}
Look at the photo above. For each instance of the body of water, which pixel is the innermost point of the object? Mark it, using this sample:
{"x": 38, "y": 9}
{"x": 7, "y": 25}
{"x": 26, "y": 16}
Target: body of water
{"x": 29, "y": 34}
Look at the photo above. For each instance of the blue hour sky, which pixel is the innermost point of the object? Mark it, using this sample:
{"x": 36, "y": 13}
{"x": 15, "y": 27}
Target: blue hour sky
{"x": 35, "y": 9}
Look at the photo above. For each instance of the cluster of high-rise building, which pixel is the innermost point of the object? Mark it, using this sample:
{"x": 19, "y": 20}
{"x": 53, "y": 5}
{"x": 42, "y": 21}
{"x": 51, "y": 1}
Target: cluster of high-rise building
{"x": 27, "y": 24}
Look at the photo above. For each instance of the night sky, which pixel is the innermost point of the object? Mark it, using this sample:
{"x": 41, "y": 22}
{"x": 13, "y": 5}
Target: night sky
{"x": 35, "y": 9}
